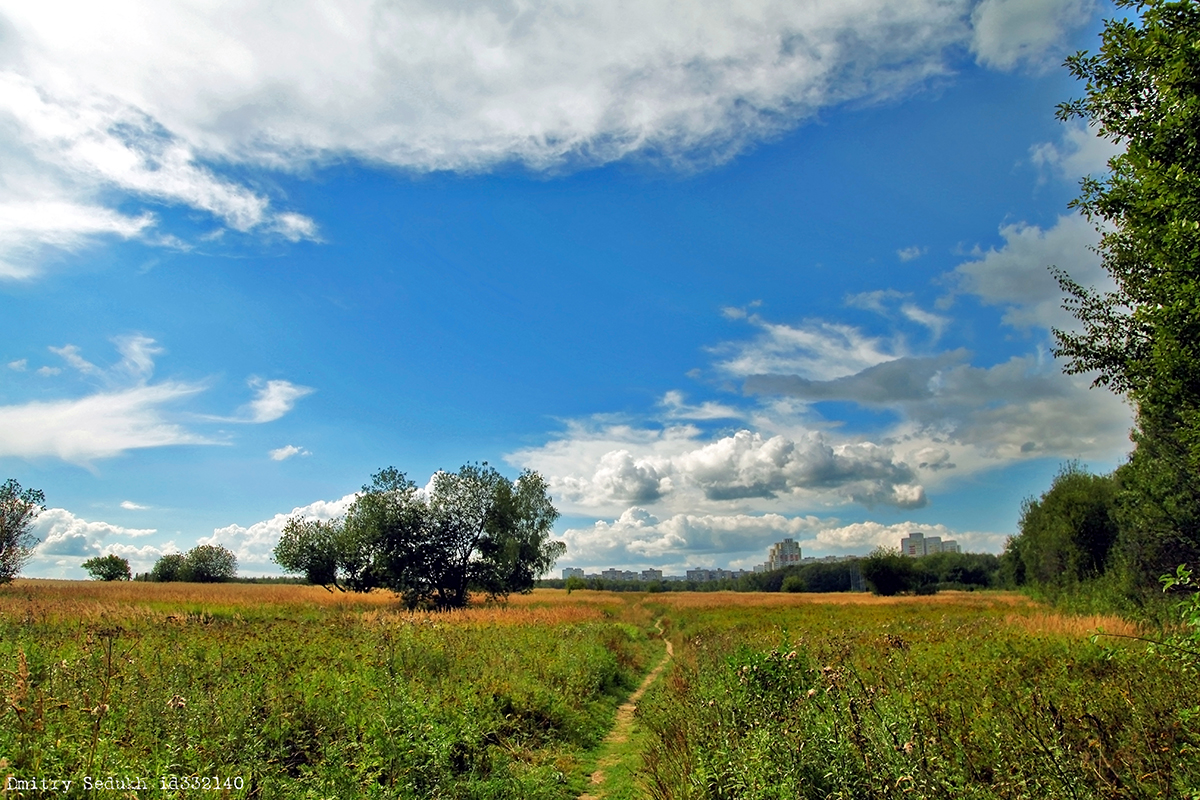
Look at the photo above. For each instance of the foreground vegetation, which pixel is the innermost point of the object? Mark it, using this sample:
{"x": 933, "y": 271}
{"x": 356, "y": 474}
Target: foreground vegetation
{"x": 951, "y": 696}
{"x": 290, "y": 691}
{"x": 296, "y": 691}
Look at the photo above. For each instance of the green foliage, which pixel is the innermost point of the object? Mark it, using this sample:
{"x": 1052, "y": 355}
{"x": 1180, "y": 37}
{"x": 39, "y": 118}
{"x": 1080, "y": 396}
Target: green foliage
{"x": 1143, "y": 337}
{"x": 206, "y": 563}
{"x": 302, "y": 701}
{"x": 1143, "y": 91}
{"x": 19, "y": 509}
{"x": 475, "y": 530}
{"x": 888, "y": 701}
{"x": 888, "y": 573}
{"x": 170, "y": 567}
{"x": 108, "y": 568}
{"x": 210, "y": 563}
{"x": 1067, "y": 535}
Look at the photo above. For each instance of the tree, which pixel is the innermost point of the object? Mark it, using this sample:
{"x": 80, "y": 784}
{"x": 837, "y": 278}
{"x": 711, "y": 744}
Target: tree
{"x": 1067, "y": 535}
{"x": 888, "y": 573}
{"x": 19, "y": 509}
{"x": 1143, "y": 337}
{"x": 169, "y": 568}
{"x": 209, "y": 563}
{"x": 474, "y": 530}
{"x": 205, "y": 563}
{"x": 108, "y": 568}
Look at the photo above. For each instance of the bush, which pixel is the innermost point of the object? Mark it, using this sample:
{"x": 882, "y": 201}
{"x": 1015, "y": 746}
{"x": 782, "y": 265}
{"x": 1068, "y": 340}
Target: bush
{"x": 206, "y": 563}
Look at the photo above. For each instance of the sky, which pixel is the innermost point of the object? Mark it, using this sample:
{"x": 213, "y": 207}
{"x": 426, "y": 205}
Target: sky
{"x": 722, "y": 273}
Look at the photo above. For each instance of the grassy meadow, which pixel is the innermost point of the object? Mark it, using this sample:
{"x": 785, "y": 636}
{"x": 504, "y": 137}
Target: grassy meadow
{"x": 237, "y": 690}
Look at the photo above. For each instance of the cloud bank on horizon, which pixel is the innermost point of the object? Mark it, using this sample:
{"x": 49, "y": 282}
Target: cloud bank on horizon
{"x": 167, "y": 125}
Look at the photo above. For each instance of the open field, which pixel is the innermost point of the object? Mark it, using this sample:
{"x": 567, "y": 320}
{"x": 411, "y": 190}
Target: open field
{"x": 293, "y": 691}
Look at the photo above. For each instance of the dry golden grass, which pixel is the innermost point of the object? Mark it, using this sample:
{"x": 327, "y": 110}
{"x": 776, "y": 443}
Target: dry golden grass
{"x": 1049, "y": 622}
{"x": 701, "y": 600}
{"x": 97, "y": 601}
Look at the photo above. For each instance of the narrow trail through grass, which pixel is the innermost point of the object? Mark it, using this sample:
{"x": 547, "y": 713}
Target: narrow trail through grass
{"x": 615, "y": 751}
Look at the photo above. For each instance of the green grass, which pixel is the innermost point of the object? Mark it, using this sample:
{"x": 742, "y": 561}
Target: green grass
{"x": 928, "y": 699}
{"x": 315, "y": 701}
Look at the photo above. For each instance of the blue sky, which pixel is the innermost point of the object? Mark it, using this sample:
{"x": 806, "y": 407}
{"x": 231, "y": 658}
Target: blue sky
{"x": 722, "y": 274}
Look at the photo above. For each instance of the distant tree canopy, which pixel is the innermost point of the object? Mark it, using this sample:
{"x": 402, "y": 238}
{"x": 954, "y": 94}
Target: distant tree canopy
{"x": 474, "y": 530}
{"x": 108, "y": 568}
{"x": 206, "y": 563}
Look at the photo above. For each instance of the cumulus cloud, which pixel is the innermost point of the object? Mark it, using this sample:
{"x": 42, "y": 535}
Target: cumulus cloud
{"x": 129, "y": 505}
{"x": 64, "y": 534}
{"x": 639, "y": 539}
{"x": 1031, "y": 33}
{"x": 273, "y": 399}
{"x": 1017, "y": 275}
{"x": 675, "y": 468}
{"x": 910, "y": 253}
{"x": 253, "y": 544}
{"x": 19, "y": 365}
{"x": 286, "y": 452}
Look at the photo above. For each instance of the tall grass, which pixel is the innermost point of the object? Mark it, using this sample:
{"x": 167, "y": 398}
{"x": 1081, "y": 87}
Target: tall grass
{"x": 975, "y": 696}
{"x": 297, "y": 692}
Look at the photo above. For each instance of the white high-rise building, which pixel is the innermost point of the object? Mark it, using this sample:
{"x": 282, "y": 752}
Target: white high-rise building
{"x": 783, "y": 554}
{"x": 917, "y": 544}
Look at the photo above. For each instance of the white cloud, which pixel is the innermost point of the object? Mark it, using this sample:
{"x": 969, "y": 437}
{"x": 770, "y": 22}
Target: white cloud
{"x": 64, "y": 534}
{"x": 129, "y": 505}
{"x": 1081, "y": 153}
{"x": 815, "y": 349}
{"x": 253, "y": 544}
{"x": 910, "y": 253}
{"x": 19, "y": 365}
{"x": 675, "y": 468}
{"x": 70, "y": 354}
{"x": 137, "y": 355}
{"x": 1017, "y": 276}
{"x": 101, "y": 425}
{"x": 1009, "y": 33}
{"x": 273, "y": 399}
{"x": 153, "y": 101}
{"x": 130, "y": 413}
{"x": 639, "y": 539}
{"x": 30, "y": 223}
{"x": 70, "y": 145}
{"x": 677, "y": 408}
{"x": 286, "y": 452}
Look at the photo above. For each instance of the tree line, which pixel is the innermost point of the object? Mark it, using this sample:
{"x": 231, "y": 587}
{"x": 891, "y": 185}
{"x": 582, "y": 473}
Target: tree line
{"x": 882, "y": 572}
{"x": 1124, "y": 530}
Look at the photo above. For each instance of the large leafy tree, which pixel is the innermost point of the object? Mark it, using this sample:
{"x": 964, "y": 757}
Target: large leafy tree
{"x": 1142, "y": 338}
{"x": 19, "y": 509}
{"x": 473, "y": 530}
{"x": 108, "y": 568}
